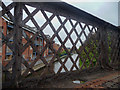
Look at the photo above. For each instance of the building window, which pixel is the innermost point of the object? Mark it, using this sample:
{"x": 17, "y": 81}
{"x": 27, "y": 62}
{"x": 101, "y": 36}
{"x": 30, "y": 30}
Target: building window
{"x": 37, "y": 38}
{"x": 30, "y": 36}
{"x": 22, "y": 36}
{"x": 31, "y": 56}
{"x": 23, "y": 56}
{"x": 23, "y": 44}
{"x": 34, "y": 53}
{"x": 8, "y": 57}
{"x": 30, "y": 48}
{"x": 41, "y": 43}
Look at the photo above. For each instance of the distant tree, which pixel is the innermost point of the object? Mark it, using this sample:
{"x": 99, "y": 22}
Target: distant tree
{"x": 90, "y": 51}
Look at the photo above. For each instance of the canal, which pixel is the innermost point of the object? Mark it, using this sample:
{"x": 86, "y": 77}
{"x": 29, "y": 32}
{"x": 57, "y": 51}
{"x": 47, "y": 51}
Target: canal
{"x": 39, "y": 66}
{"x": 68, "y": 64}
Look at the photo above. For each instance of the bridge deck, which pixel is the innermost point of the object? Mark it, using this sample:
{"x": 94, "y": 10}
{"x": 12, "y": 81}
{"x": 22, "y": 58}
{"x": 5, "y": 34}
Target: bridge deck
{"x": 97, "y": 79}
{"x": 108, "y": 81}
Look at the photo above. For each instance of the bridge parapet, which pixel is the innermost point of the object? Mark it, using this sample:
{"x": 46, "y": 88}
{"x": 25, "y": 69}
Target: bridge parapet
{"x": 94, "y": 41}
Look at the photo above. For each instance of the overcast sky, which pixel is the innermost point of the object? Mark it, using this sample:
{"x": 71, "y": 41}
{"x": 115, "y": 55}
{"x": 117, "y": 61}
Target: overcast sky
{"x": 107, "y": 11}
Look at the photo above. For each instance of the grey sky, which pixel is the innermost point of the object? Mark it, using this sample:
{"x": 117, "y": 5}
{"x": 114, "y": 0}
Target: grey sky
{"x": 107, "y": 11}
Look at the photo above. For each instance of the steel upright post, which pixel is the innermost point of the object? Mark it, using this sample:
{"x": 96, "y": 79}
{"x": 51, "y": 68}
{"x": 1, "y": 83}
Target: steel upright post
{"x": 17, "y": 38}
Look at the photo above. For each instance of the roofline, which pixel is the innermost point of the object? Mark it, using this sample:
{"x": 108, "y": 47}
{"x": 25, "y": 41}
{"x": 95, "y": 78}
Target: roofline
{"x": 25, "y": 28}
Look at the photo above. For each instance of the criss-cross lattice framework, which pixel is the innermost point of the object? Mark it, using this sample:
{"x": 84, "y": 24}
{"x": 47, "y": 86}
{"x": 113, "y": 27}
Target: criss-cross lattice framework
{"x": 93, "y": 40}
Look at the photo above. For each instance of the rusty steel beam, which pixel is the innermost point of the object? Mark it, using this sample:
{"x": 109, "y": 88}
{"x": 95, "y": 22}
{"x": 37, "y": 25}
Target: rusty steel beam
{"x": 57, "y": 9}
{"x": 17, "y": 39}
{"x": 66, "y": 10}
{"x": 104, "y": 48}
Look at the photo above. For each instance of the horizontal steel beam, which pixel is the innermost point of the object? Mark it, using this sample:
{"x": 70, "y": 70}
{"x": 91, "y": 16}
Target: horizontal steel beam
{"x": 64, "y": 9}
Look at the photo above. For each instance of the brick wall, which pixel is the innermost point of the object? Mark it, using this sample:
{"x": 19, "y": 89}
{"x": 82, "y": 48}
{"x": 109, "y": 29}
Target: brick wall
{"x": 56, "y": 47}
{"x": 3, "y": 24}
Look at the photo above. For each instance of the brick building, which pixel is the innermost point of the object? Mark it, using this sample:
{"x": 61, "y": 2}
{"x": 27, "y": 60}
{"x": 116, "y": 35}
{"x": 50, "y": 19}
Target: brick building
{"x": 29, "y": 54}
